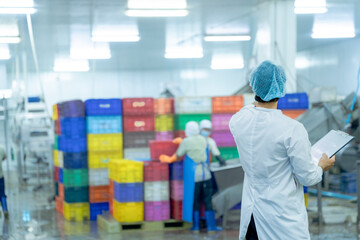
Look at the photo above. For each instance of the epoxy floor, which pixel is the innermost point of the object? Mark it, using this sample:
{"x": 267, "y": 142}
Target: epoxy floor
{"x": 33, "y": 217}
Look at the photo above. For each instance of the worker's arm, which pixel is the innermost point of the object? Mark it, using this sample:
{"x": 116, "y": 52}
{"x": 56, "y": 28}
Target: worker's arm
{"x": 221, "y": 160}
{"x": 181, "y": 151}
{"x": 215, "y": 151}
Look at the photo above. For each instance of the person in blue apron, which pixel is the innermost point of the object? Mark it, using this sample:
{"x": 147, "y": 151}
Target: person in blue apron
{"x": 2, "y": 184}
{"x": 197, "y": 177}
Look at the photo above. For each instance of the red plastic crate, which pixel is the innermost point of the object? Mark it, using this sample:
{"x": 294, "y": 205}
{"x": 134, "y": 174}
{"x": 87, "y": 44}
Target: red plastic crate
{"x": 56, "y": 174}
{"x": 139, "y": 124}
{"x": 57, "y": 127}
{"x": 111, "y": 206}
{"x": 157, "y": 211}
{"x": 176, "y": 209}
{"x": 61, "y": 191}
{"x": 179, "y": 134}
{"x": 138, "y": 106}
{"x": 220, "y": 122}
{"x": 156, "y": 171}
{"x": 177, "y": 190}
{"x": 162, "y": 147}
{"x": 99, "y": 194}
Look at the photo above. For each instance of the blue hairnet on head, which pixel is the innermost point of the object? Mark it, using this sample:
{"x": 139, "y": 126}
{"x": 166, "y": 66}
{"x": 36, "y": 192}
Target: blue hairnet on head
{"x": 268, "y": 81}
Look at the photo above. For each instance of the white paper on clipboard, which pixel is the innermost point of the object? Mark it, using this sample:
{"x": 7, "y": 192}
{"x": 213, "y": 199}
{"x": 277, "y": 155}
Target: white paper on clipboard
{"x": 330, "y": 144}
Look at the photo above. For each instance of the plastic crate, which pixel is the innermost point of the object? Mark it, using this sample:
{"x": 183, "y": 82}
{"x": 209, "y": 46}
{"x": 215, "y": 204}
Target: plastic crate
{"x": 73, "y": 127}
{"x": 156, "y": 171}
{"x": 220, "y": 122}
{"x": 158, "y": 148}
{"x": 98, "y": 176}
{"x": 111, "y": 188}
{"x": 139, "y": 123}
{"x": 57, "y": 127}
{"x": 61, "y": 159}
{"x": 139, "y": 154}
{"x": 75, "y": 178}
{"x": 293, "y": 113}
{"x": 126, "y": 171}
{"x": 76, "y": 194}
{"x": 164, "y": 136}
{"x": 176, "y": 207}
{"x": 176, "y": 171}
{"x": 164, "y": 106}
{"x": 348, "y": 182}
{"x": 75, "y": 160}
{"x": 164, "y": 123}
{"x": 102, "y": 159}
{"x": 156, "y": 191}
{"x": 59, "y": 205}
{"x": 129, "y": 192}
{"x": 138, "y": 139}
{"x": 104, "y": 124}
{"x": 294, "y": 101}
{"x": 56, "y": 158}
{"x": 180, "y": 120}
{"x": 177, "y": 190}
{"x": 227, "y": 153}
{"x": 223, "y": 138}
{"x": 193, "y": 105}
{"x": 180, "y": 134}
{"x": 55, "y": 113}
{"x": 99, "y": 194}
{"x": 103, "y": 107}
{"x": 97, "y": 209}
{"x": 138, "y": 106}
{"x": 72, "y": 145}
{"x": 105, "y": 142}
{"x": 128, "y": 212}
{"x": 76, "y": 211}
{"x": 230, "y": 104}
{"x": 56, "y": 174}
{"x": 56, "y": 189}
{"x": 56, "y": 142}
{"x": 157, "y": 211}
{"x": 71, "y": 109}
{"x": 61, "y": 191}
{"x": 61, "y": 175}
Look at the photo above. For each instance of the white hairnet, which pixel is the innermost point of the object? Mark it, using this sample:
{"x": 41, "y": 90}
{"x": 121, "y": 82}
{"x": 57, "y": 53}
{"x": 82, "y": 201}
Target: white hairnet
{"x": 192, "y": 129}
{"x": 205, "y": 124}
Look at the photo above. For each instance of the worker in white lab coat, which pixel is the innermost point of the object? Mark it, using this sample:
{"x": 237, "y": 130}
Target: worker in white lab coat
{"x": 274, "y": 151}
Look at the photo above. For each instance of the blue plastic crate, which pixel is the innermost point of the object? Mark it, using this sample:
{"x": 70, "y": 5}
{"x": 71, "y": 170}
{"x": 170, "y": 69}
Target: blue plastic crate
{"x": 73, "y": 127}
{"x": 97, "y": 209}
{"x": 61, "y": 175}
{"x": 75, "y": 160}
{"x": 34, "y": 99}
{"x": 72, "y": 145}
{"x": 103, "y": 107}
{"x": 176, "y": 170}
{"x": 348, "y": 182}
{"x": 70, "y": 109}
{"x": 305, "y": 189}
{"x": 294, "y": 101}
{"x": 129, "y": 192}
{"x": 104, "y": 124}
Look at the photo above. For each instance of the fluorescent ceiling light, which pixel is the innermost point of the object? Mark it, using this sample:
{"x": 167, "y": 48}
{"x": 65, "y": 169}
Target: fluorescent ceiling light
{"x": 310, "y": 10}
{"x": 302, "y": 62}
{"x": 157, "y": 13}
{"x": 231, "y": 61}
{"x": 114, "y": 38}
{"x": 17, "y": 3}
{"x": 71, "y": 65}
{"x": 184, "y": 53}
{"x": 333, "y": 34}
{"x": 4, "y": 52}
{"x": 17, "y": 10}
{"x": 85, "y": 53}
{"x": 310, "y": 6}
{"x": 157, "y": 4}
{"x": 227, "y": 38}
{"x": 9, "y": 39}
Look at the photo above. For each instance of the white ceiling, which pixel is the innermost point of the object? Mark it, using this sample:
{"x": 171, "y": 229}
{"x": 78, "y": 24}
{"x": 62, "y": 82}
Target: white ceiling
{"x": 54, "y": 18}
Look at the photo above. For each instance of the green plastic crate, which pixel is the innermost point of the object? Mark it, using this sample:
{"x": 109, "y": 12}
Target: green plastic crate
{"x": 76, "y": 194}
{"x": 227, "y": 153}
{"x": 75, "y": 178}
{"x": 180, "y": 120}
{"x": 56, "y": 147}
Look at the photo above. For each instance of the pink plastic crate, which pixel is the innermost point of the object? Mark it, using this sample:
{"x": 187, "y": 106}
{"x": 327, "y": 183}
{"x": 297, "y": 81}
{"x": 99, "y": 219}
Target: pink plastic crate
{"x": 177, "y": 190}
{"x": 157, "y": 211}
{"x": 223, "y": 139}
{"x": 220, "y": 122}
{"x": 164, "y": 136}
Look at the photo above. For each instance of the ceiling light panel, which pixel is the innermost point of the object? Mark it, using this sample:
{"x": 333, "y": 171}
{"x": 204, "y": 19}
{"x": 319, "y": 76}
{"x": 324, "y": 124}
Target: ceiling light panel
{"x": 125, "y": 32}
{"x": 157, "y": 4}
{"x": 227, "y": 61}
{"x": 227, "y": 38}
{"x": 17, "y": 3}
{"x": 310, "y": 6}
{"x": 14, "y": 10}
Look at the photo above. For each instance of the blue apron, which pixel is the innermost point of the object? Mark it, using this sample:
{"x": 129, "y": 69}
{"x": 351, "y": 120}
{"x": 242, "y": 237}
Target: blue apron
{"x": 189, "y": 188}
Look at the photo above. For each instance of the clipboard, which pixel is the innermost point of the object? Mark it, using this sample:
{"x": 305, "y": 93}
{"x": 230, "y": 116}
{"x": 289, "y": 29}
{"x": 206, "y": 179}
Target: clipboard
{"x": 330, "y": 144}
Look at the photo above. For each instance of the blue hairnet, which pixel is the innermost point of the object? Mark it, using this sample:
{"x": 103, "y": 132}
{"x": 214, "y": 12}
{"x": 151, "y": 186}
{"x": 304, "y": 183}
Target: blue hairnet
{"x": 268, "y": 81}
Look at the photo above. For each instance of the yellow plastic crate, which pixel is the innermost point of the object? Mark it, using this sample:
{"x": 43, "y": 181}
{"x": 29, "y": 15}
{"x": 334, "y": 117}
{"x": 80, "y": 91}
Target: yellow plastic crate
{"x": 76, "y": 211}
{"x": 126, "y": 171}
{"x": 306, "y": 199}
{"x": 164, "y": 123}
{"x": 105, "y": 142}
{"x": 55, "y": 115}
{"x": 102, "y": 159}
{"x": 129, "y": 212}
{"x": 76, "y": 228}
{"x": 56, "y": 158}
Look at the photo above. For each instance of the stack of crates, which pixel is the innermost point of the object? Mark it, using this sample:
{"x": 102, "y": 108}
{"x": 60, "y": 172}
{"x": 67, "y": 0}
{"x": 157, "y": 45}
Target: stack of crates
{"x": 105, "y": 142}
{"x": 190, "y": 109}
{"x": 164, "y": 119}
{"x": 176, "y": 189}
{"x": 139, "y": 127}
{"x": 294, "y": 104}
{"x": 126, "y": 190}
{"x": 223, "y": 108}
{"x": 73, "y": 172}
{"x": 59, "y": 201}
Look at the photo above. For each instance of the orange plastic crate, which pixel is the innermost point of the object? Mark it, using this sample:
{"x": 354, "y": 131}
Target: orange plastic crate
{"x": 230, "y": 104}
{"x": 61, "y": 191}
{"x": 99, "y": 194}
{"x": 293, "y": 113}
{"x": 111, "y": 206}
{"x": 164, "y": 106}
{"x": 59, "y": 205}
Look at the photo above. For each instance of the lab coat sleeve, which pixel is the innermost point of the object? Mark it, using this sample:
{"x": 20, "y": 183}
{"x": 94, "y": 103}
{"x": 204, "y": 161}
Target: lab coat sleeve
{"x": 305, "y": 170}
{"x": 181, "y": 151}
{"x": 213, "y": 147}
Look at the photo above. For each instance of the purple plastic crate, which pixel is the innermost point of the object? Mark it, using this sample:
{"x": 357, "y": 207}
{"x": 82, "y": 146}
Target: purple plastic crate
{"x": 164, "y": 136}
{"x": 70, "y": 109}
{"x": 177, "y": 190}
{"x": 103, "y": 107}
{"x": 176, "y": 170}
{"x": 157, "y": 211}
{"x": 223, "y": 139}
{"x": 97, "y": 209}
{"x": 75, "y": 160}
{"x": 129, "y": 192}
{"x": 220, "y": 122}
{"x": 294, "y": 101}
{"x": 72, "y": 145}
{"x": 61, "y": 175}
{"x": 73, "y": 127}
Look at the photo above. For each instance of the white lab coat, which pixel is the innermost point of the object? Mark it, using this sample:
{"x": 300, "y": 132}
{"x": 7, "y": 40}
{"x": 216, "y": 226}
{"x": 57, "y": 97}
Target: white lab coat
{"x": 274, "y": 151}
